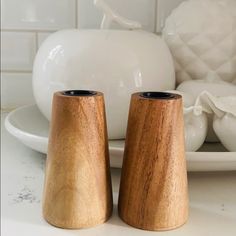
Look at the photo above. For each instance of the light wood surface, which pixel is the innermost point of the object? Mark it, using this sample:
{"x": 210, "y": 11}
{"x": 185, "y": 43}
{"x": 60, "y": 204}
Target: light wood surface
{"x": 77, "y": 190}
{"x": 153, "y": 190}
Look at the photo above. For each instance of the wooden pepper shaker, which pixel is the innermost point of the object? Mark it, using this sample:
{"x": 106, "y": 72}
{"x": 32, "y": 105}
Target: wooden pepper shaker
{"x": 153, "y": 190}
{"x": 77, "y": 190}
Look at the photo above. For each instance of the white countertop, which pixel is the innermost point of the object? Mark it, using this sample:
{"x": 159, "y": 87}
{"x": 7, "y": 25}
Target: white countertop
{"x": 212, "y": 199}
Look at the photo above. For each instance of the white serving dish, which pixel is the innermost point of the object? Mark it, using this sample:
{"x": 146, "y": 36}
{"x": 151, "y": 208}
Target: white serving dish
{"x": 29, "y": 126}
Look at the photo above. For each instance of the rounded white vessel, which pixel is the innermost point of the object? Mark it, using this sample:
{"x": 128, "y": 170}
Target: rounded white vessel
{"x": 115, "y": 62}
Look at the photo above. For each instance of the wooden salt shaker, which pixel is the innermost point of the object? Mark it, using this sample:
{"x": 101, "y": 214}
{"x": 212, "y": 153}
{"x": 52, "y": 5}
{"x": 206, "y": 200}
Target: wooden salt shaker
{"x": 77, "y": 190}
{"x": 153, "y": 190}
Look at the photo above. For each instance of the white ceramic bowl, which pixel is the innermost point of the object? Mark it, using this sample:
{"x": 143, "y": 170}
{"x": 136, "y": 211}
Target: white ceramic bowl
{"x": 29, "y": 126}
{"x": 115, "y": 62}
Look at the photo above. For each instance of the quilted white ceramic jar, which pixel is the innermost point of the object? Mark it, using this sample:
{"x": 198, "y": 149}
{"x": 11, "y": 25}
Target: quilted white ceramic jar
{"x": 201, "y": 35}
{"x": 115, "y": 62}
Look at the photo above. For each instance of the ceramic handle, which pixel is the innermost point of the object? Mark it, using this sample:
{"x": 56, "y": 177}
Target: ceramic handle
{"x": 196, "y": 110}
{"x": 110, "y": 15}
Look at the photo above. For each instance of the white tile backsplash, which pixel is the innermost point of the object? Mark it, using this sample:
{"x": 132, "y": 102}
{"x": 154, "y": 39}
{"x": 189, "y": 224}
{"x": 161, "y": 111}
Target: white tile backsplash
{"x": 139, "y": 10}
{"x": 25, "y": 24}
{"x": 42, "y": 37}
{"x": 16, "y": 90}
{"x": 164, "y": 8}
{"x": 18, "y": 50}
{"x": 38, "y": 14}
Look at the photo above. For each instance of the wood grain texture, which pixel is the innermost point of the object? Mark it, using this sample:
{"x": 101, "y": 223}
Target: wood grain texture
{"x": 153, "y": 190}
{"x": 77, "y": 190}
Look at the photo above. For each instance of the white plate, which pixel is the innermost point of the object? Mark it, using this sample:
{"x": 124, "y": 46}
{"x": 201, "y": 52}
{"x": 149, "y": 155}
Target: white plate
{"x": 31, "y": 128}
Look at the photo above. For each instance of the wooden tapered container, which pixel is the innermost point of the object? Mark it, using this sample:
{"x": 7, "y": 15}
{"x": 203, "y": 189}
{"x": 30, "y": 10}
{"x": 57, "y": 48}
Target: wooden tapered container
{"x": 77, "y": 190}
{"x": 153, "y": 190}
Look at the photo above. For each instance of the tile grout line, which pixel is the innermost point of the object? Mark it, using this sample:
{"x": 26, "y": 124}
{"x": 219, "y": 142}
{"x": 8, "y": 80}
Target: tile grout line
{"x": 17, "y": 71}
{"x": 28, "y": 30}
{"x": 156, "y": 17}
{"x": 76, "y": 14}
{"x": 36, "y": 42}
